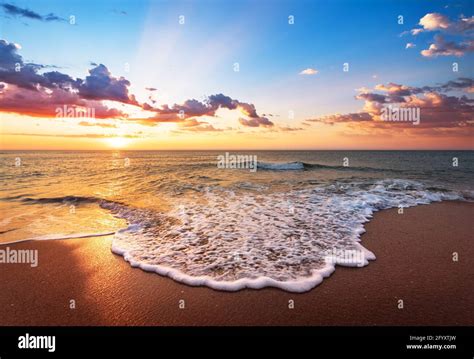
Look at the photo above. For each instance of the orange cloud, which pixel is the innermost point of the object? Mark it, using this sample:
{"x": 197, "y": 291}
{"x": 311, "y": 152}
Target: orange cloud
{"x": 439, "y": 112}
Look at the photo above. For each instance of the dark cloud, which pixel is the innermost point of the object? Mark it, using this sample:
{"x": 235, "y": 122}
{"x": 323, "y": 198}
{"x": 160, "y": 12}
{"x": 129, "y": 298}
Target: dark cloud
{"x": 441, "y": 47}
{"x": 248, "y": 109}
{"x": 58, "y": 79}
{"x": 101, "y": 85}
{"x": 374, "y": 97}
{"x": 192, "y": 108}
{"x": 15, "y": 71}
{"x": 256, "y": 122}
{"x": 195, "y": 108}
{"x": 340, "y": 118}
{"x": 220, "y": 100}
{"x": 461, "y": 83}
{"x": 14, "y": 10}
{"x": 9, "y": 56}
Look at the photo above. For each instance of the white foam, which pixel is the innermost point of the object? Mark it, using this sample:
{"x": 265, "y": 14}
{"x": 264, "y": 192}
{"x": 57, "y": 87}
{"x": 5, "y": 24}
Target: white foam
{"x": 289, "y": 166}
{"x": 286, "y": 240}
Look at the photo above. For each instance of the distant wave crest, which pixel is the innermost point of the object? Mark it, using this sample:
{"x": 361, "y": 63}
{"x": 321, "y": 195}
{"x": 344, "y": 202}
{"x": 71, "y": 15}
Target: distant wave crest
{"x": 299, "y": 166}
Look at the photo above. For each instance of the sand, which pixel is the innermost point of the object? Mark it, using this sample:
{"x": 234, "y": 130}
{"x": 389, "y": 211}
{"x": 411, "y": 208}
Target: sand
{"x": 414, "y": 264}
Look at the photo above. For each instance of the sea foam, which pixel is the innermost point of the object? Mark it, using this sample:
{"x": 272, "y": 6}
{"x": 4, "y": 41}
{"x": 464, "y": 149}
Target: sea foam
{"x": 230, "y": 241}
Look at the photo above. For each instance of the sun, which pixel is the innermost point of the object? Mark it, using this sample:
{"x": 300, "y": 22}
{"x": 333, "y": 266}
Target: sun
{"x": 117, "y": 142}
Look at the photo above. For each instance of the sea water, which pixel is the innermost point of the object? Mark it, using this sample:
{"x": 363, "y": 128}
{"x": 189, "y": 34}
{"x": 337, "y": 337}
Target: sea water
{"x": 181, "y": 215}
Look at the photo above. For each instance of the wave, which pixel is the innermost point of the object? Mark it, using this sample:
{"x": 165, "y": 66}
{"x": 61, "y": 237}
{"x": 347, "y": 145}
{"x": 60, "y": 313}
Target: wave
{"x": 298, "y": 166}
{"x": 288, "y": 166}
{"x": 291, "y": 241}
{"x": 227, "y": 241}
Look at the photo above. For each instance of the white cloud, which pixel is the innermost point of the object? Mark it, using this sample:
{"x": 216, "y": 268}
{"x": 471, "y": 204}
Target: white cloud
{"x": 435, "y": 21}
{"x": 415, "y": 32}
{"x": 309, "y": 71}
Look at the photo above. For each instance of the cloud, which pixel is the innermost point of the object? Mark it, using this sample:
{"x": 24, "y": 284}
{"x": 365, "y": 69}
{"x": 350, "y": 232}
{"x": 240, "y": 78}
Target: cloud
{"x": 36, "y": 93}
{"x": 192, "y": 122}
{"x": 45, "y": 103}
{"x": 13, "y": 10}
{"x": 40, "y": 94}
{"x": 97, "y": 124}
{"x": 393, "y": 89}
{"x": 9, "y": 55}
{"x": 338, "y": 118}
{"x": 438, "y": 110}
{"x": 415, "y": 32}
{"x": 256, "y": 122}
{"x": 290, "y": 129}
{"x": 441, "y": 47}
{"x": 194, "y": 125}
{"x": 434, "y": 21}
{"x": 309, "y": 72}
{"x": 465, "y": 24}
{"x": 459, "y": 30}
{"x": 119, "y": 12}
{"x": 101, "y": 85}
{"x": 410, "y": 45}
{"x": 194, "y": 108}
{"x": 15, "y": 71}
{"x": 439, "y": 22}
{"x": 373, "y": 97}
{"x": 461, "y": 84}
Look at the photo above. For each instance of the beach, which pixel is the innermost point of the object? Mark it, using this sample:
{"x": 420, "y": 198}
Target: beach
{"x": 414, "y": 264}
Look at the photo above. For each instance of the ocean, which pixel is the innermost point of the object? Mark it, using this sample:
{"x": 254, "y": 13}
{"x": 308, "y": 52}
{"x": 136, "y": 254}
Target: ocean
{"x": 228, "y": 226}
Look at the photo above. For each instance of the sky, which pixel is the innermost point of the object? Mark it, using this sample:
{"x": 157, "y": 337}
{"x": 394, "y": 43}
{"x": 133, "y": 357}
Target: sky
{"x": 215, "y": 74}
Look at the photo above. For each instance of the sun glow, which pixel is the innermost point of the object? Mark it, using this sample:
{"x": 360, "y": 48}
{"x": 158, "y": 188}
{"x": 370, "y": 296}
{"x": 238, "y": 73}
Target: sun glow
{"x": 117, "y": 142}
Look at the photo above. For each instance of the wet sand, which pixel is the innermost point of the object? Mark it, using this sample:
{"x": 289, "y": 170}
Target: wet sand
{"x": 414, "y": 264}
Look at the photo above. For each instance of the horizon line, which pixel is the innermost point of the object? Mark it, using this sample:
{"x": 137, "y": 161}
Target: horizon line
{"x": 227, "y": 150}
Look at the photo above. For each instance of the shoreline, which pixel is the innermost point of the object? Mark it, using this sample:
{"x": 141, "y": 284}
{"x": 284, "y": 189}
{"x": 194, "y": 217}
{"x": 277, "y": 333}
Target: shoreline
{"x": 414, "y": 264}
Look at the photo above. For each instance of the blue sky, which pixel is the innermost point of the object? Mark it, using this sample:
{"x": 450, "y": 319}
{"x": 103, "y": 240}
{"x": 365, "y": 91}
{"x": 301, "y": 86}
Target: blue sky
{"x": 256, "y": 34}
{"x": 144, "y": 42}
